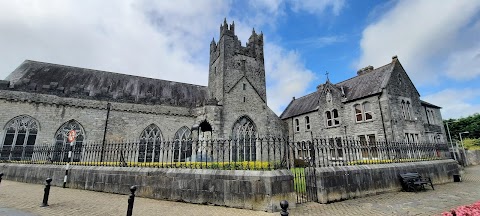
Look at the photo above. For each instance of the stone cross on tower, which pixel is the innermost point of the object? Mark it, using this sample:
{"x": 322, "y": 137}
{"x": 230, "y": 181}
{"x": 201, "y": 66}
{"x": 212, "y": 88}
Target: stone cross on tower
{"x": 326, "y": 73}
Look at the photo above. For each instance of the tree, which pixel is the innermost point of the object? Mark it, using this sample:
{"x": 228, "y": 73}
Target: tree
{"x": 469, "y": 123}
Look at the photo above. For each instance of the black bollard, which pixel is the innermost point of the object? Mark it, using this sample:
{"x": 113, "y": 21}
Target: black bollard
{"x": 1, "y": 175}
{"x": 284, "y": 206}
{"x": 46, "y": 193}
{"x": 131, "y": 199}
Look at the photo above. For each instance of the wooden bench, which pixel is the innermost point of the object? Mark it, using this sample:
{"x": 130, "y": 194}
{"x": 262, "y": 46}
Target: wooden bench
{"x": 413, "y": 181}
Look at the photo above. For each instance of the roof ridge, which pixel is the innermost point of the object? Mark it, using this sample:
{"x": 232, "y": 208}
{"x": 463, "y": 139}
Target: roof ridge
{"x": 306, "y": 95}
{"x": 365, "y": 73}
{"x": 104, "y": 71}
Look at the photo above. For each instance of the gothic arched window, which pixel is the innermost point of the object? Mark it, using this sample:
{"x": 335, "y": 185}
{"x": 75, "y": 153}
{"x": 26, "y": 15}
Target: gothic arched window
{"x": 183, "y": 145}
{"x": 20, "y": 135}
{"x": 62, "y": 144}
{"x": 150, "y": 140}
{"x": 243, "y": 134}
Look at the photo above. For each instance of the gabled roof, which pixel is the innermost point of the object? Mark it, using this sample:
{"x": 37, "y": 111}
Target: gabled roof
{"x": 74, "y": 82}
{"x": 367, "y": 84}
{"x": 305, "y": 104}
{"x": 424, "y": 103}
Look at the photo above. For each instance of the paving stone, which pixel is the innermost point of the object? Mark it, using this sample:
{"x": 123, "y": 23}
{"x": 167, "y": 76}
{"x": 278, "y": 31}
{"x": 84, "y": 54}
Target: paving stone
{"x": 26, "y": 198}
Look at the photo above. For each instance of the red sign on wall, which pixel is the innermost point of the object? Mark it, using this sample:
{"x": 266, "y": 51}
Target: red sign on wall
{"x": 71, "y": 136}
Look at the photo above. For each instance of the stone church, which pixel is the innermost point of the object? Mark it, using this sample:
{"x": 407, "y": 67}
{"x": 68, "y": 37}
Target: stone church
{"x": 41, "y": 102}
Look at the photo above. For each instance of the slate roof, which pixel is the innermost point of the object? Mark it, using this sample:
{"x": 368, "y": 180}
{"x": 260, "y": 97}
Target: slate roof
{"x": 424, "y": 103}
{"x": 357, "y": 87}
{"x": 67, "y": 81}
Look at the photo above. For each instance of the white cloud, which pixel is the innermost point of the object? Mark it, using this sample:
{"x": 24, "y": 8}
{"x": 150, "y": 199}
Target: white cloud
{"x": 286, "y": 76}
{"x": 455, "y": 103}
{"x": 464, "y": 64}
{"x": 423, "y": 34}
{"x": 319, "y": 42}
{"x": 318, "y": 6}
{"x": 159, "y": 39}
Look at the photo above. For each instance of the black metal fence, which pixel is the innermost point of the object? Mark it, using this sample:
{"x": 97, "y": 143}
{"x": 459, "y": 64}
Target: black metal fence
{"x": 242, "y": 154}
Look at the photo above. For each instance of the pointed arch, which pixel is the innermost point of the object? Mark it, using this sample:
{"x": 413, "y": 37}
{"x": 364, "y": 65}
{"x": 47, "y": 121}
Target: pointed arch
{"x": 244, "y": 134}
{"x": 20, "y": 135}
{"x": 150, "y": 141}
{"x": 62, "y": 145}
{"x": 183, "y": 145}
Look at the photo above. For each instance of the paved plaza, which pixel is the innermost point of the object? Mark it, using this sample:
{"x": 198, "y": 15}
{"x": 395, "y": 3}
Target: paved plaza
{"x": 20, "y": 199}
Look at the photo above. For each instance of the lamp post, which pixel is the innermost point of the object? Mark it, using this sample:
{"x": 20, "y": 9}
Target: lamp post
{"x": 463, "y": 146}
{"x": 451, "y": 143}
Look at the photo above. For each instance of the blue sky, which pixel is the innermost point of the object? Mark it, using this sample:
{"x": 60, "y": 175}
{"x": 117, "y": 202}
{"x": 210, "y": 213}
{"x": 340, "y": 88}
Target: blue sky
{"x": 436, "y": 41}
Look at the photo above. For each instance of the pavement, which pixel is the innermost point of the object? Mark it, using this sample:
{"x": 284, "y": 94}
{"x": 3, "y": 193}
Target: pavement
{"x": 21, "y": 199}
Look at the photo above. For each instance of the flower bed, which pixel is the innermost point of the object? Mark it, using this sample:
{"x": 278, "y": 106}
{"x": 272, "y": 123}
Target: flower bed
{"x": 468, "y": 210}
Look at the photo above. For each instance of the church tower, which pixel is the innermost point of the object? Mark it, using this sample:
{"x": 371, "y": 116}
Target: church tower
{"x": 230, "y": 62}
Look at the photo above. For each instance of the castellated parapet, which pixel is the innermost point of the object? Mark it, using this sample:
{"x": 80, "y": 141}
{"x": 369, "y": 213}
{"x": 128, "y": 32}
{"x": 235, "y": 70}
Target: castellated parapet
{"x": 230, "y": 62}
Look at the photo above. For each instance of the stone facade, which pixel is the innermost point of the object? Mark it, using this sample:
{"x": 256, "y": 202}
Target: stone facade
{"x": 117, "y": 107}
{"x": 107, "y": 106}
{"x": 380, "y": 104}
{"x": 246, "y": 189}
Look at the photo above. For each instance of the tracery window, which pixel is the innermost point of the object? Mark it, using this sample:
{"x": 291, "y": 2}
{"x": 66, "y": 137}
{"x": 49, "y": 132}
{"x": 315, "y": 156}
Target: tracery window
{"x": 150, "y": 141}
{"x": 183, "y": 145}
{"x": 244, "y": 134}
{"x": 62, "y": 146}
{"x": 20, "y": 135}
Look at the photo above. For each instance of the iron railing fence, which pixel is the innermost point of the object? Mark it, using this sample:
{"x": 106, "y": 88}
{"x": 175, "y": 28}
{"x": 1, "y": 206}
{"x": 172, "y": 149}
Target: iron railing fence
{"x": 242, "y": 154}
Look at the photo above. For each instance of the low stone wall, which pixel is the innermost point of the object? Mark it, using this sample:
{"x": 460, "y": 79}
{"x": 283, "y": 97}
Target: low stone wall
{"x": 256, "y": 190}
{"x": 340, "y": 183}
{"x": 473, "y": 157}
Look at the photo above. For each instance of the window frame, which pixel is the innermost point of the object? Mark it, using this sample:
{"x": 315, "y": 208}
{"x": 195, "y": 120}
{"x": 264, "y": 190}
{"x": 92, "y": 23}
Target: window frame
{"x": 358, "y": 112}
{"x": 297, "y": 125}
{"x": 370, "y": 112}
{"x": 328, "y": 117}
{"x": 31, "y": 128}
{"x": 307, "y": 123}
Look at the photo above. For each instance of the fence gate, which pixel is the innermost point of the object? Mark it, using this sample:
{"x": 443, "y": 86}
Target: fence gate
{"x": 305, "y": 178}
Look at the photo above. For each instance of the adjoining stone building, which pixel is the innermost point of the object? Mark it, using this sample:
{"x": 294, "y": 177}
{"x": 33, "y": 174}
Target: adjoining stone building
{"x": 377, "y": 104}
{"x": 41, "y": 102}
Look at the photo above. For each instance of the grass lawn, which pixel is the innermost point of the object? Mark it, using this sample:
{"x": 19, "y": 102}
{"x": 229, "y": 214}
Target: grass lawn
{"x": 299, "y": 180}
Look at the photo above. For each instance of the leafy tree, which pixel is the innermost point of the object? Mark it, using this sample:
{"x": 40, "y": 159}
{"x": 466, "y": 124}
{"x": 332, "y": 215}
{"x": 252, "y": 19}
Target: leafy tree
{"x": 469, "y": 123}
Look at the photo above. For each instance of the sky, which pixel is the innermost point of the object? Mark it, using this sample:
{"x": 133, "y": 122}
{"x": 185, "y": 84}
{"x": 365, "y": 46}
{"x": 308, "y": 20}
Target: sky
{"x": 437, "y": 41}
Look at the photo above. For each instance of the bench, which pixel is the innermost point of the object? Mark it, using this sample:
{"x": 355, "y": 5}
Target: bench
{"x": 413, "y": 181}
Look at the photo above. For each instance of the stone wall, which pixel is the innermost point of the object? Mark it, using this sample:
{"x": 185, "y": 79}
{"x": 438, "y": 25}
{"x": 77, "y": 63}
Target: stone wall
{"x": 340, "y": 183}
{"x": 473, "y": 157}
{"x": 256, "y": 190}
{"x": 126, "y": 121}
